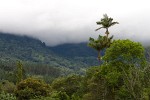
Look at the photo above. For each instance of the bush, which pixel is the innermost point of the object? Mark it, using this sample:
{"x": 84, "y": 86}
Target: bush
{"x": 69, "y": 85}
{"x": 7, "y": 86}
{"x": 32, "y": 88}
{"x": 7, "y": 96}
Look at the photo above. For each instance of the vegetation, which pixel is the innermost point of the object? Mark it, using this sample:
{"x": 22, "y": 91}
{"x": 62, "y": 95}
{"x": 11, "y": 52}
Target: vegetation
{"x": 106, "y": 22}
{"x": 100, "y": 44}
{"x": 33, "y": 52}
{"x": 103, "y": 41}
{"x": 123, "y": 75}
{"x": 7, "y": 96}
{"x": 31, "y": 88}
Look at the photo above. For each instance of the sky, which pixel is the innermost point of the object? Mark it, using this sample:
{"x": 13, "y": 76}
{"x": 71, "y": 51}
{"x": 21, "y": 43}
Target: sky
{"x": 73, "y": 21}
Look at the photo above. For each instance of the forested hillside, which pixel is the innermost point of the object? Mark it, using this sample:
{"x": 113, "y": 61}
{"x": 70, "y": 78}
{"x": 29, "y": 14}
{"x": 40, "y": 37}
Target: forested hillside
{"x": 109, "y": 70}
{"x": 68, "y": 57}
{"x": 72, "y": 57}
{"x": 74, "y": 50}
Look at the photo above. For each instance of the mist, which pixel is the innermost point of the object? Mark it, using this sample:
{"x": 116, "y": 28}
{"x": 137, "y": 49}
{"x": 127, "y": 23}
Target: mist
{"x": 73, "y": 21}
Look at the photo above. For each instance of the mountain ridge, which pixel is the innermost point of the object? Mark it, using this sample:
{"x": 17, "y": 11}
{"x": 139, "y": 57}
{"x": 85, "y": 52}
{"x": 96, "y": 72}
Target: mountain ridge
{"x": 31, "y": 50}
{"x": 28, "y": 49}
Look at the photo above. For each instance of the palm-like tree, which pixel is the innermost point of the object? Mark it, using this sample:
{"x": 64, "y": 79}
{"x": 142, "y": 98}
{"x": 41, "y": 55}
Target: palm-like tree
{"x": 106, "y": 22}
{"x": 100, "y": 43}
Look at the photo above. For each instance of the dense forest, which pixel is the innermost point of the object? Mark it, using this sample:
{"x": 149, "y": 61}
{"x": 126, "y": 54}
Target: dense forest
{"x": 102, "y": 69}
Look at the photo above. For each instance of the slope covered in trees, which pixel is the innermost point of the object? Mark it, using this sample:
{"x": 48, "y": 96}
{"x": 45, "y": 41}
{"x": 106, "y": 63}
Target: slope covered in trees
{"x": 27, "y": 49}
{"x": 124, "y": 73}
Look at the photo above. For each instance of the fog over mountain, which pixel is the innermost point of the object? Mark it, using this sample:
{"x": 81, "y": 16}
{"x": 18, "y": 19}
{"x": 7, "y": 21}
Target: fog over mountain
{"x": 73, "y": 21}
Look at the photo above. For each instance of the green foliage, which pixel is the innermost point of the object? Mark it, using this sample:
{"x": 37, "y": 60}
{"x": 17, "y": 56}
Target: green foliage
{"x": 91, "y": 71}
{"x": 7, "y": 75}
{"x": 146, "y": 82}
{"x": 125, "y": 52}
{"x": 7, "y": 87}
{"x": 106, "y": 22}
{"x": 147, "y": 75}
{"x": 32, "y": 88}
{"x": 62, "y": 96}
{"x": 44, "y": 98}
{"x": 93, "y": 85}
{"x": 29, "y": 50}
{"x": 98, "y": 44}
{"x": 47, "y": 72}
{"x": 75, "y": 97}
{"x": 123, "y": 69}
{"x": 7, "y": 96}
{"x": 101, "y": 43}
{"x": 101, "y": 85}
{"x": 73, "y": 50}
{"x": 133, "y": 81}
{"x": 69, "y": 84}
{"x": 20, "y": 72}
{"x": 121, "y": 76}
{"x": 123, "y": 94}
{"x": 55, "y": 96}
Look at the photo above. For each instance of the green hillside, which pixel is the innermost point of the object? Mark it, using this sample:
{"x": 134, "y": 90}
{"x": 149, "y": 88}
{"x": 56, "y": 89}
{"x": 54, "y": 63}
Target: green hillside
{"x": 72, "y": 50}
{"x": 72, "y": 57}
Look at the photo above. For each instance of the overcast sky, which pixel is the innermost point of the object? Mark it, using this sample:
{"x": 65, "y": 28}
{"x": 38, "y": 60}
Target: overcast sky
{"x": 73, "y": 21}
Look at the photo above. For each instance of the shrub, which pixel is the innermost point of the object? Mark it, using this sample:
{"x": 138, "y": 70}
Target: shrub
{"x": 7, "y": 86}
{"x": 32, "y": 88}
{"x": 69, "y": 84}
{"x": 7, "y": 96}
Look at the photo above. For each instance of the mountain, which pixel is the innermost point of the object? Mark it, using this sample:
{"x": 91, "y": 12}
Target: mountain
{"x": 40, "y": 59}
{"x": 28, "y": 49}
{"x": 73, "y": 57}
{"x": 74, "y": 50}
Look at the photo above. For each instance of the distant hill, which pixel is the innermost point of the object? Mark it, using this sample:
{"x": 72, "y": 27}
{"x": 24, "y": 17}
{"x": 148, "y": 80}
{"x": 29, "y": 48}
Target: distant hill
{"x": 44, "y": 61}
{"x": 57, "y": 60}
{"x": 74, "y": 50}
{"x": 31, "y": 50}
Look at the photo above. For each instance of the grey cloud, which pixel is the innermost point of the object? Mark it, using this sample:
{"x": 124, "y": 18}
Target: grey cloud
{"x": 73, "y": 21}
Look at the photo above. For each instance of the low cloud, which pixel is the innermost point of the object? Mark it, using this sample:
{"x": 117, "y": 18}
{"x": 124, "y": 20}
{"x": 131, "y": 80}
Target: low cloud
{"x": 73, "y": 21}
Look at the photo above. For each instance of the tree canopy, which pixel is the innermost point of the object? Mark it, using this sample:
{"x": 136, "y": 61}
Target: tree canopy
{"x": 125, "y": 52}
{"x": 106, "y": 22}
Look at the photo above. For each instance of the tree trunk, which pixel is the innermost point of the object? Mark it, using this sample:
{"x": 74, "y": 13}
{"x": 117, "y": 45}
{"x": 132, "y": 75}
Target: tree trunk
{"x": 107, "y": 33}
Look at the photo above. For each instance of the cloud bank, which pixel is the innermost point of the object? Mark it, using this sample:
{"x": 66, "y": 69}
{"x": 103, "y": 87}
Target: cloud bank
{"x": 73, "y": 21}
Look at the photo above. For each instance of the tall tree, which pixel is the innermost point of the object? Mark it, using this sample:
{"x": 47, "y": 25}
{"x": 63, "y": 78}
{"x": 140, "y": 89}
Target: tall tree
{"x": 106, "y": 22}
{"x": 125, "y": 52}
{"x": 123, "y": 69}
{"x": 20, "y": 72}
{"x": 99, "y": 44}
